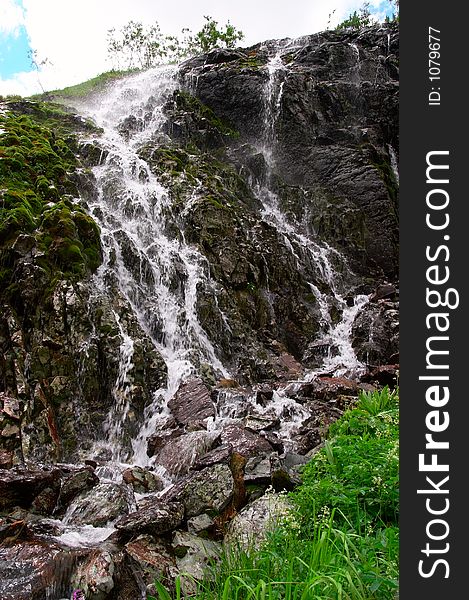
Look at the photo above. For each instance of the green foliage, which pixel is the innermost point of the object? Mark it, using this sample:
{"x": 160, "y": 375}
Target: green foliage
{"x": 137, "y": 46}
{"x": 211, "y": 37}
{"x": 357, "y": 20}
{"x": 36, "y": 198}
{"x": 363, "y": 17}
{"x": 341, "y": 540}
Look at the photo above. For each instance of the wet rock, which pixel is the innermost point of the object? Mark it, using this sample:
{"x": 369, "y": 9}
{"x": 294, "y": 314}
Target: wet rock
{"x": 152, "y": 558}
{"x": 287, "y": 367}
{"x": 327, "y": 389}
{"x": 103, "y": 503}
{"x": 245, "y": 442}
{"x": 250, "y": 526}
{"x": 154, "y": 516}
{"x": 193, "y": 556}
{"x": 221, "y": 454}
{"x": 383, "y": 375}
{"x": 6, "y": 459}
{"x": 209, "y": 490}
{"x": 20, "y": 486}
{"x": 385, "y": 290}
{"x": 75, "y": 484}
{"x": 95, "y": 577}
{"x": 257, "y": 423}
{"x": 375, "y": 334}
{"x": 192, "y": 403}
{"x": 33, "y": 570}
{"x": 178, "y": 455}
{"x": 142, "y": 480}
{"x": 231, "y": 404}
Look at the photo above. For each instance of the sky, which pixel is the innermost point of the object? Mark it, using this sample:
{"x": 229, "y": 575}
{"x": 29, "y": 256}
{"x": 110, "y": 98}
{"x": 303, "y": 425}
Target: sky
{"x": 70, "y": 35}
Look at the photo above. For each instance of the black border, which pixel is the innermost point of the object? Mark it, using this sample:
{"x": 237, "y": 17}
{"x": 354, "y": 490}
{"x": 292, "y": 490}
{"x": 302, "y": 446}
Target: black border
{"x": 425, "y": 128}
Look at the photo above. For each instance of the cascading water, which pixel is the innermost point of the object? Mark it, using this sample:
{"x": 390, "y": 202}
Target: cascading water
{"x": 156, "y": 271}
{"x": 159, "y": 274}
{"x": 303, "y": 243}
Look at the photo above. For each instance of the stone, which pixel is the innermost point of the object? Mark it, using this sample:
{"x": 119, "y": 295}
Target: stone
{"x": 152, "y": 558}
{"x": 179, "y": 454}
{"x": 155, "y": 517}
{"x": 249, "y": 527}
{"x": 20, "y": 486}
{"x": 375, "y": 334}
{"x": 192, "y": 403}
{"x": 95, "y": 577}
{"x": 31, "y": 570}
{"x": 76, "y": 484}
{"x": 245, "y": 442}
{"x": 193, "y": 556}
{"x": 200, "y": 523}
{"x": 142, "y": 480}
{"x": 207, "y": 491}
{"x": 99, "y": 505}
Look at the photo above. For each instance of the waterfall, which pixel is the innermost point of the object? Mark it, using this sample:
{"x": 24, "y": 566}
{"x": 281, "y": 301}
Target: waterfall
{"x": 304, "y": 244}
{"x": 147, "y": 259}
{"x": 153, "y": 268}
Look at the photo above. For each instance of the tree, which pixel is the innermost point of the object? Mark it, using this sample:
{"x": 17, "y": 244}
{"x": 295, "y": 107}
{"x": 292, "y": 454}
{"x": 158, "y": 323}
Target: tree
{"x": 135, "y": 46}
{"x": 210, "y": 36}
{"x": 38, "y": 64}
{"x": 357, "y": 20}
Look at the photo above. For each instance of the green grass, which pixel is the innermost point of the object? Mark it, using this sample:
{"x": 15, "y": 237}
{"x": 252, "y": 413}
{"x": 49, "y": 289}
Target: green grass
{"x": 96, "y": 84}
{"x": 341, "y": 541}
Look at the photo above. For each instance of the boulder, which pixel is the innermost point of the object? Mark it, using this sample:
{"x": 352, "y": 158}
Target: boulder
{"x": 193, "y": 556}
{"x": 179, "y": 454}
{"x": 154, "y": 516}
{"x": 152, "y": 559}
{"x": 209, "y": 490}
{"x": 103, "y": 503}
{"x": 142, "y": 480}
{"x": 192, "y": 403}
{"x": 249, "y": 527}
{"x": 247, "y": 443}
{"x": 95, "y": 577}
{"x": 20, "y": 486}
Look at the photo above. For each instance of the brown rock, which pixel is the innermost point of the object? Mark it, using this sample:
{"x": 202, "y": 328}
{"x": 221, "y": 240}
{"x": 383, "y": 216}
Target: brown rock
{"x": 192, "y": 403}
{"x": 156, "y": 517}
{"x": 245, "y": 442}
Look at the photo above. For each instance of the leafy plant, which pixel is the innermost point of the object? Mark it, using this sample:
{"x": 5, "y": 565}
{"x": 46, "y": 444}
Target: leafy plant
{"x": 136, "y": 46}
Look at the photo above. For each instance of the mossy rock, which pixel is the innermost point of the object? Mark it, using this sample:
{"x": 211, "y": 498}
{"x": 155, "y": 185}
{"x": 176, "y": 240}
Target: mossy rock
{"x": 35, "y": 162}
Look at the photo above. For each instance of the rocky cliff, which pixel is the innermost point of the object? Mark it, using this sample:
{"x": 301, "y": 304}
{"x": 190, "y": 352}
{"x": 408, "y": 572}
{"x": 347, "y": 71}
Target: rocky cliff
{"x": 201, "y": 266}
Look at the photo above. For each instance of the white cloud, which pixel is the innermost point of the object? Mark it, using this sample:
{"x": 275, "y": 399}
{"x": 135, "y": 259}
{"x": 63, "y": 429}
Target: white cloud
{"x": 11, "y": 17}
{"x": 72, "y": 33}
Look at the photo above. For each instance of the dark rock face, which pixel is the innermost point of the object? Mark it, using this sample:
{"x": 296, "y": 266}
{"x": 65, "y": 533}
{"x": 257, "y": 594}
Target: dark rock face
{"x": 155, "y": 518}
{"x": 375, "y": 333}
{"x": 337, "y": 117}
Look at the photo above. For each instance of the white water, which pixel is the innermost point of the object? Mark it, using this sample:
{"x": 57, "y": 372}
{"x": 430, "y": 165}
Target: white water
{"x": 157, "y": 272}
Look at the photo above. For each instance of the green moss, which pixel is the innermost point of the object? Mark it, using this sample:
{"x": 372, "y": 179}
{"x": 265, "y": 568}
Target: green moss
{"x": 35, "y": 162}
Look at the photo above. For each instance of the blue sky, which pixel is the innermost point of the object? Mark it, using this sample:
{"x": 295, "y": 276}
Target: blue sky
{"x": 14, "y": 40}
{"x": 71, "y": 34}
